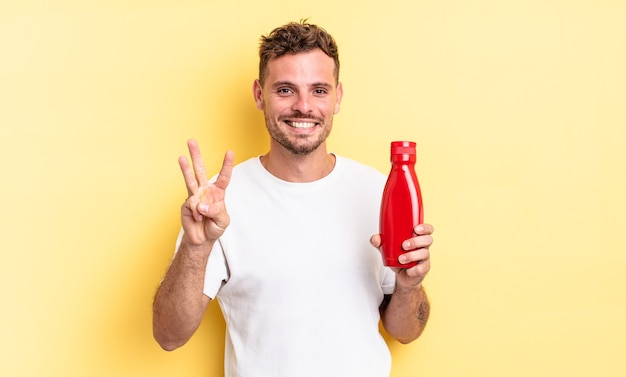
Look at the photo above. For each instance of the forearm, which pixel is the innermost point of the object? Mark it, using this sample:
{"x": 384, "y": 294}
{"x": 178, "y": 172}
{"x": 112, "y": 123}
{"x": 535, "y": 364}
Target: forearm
{"x": 406, "y": 314}
{"x": 179, "y": 303}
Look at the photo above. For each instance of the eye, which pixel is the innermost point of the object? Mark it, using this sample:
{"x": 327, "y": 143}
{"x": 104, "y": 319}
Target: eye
{"x": 284, "y": 91}
{"x": 320, "y": 91}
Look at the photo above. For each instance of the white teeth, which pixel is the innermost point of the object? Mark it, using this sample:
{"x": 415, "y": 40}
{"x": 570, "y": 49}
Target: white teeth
{"x": 302, "y": 124}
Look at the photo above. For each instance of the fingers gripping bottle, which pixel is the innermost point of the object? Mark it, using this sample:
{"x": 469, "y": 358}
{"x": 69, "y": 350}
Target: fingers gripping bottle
{"x": 401, "y": 207}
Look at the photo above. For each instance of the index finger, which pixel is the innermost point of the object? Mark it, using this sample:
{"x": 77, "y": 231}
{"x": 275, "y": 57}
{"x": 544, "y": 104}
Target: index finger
{"x": 223, "y": 178}
{"x": 423, "y": 229}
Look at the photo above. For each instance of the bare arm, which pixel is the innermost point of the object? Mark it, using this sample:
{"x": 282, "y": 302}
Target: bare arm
{"x": 405, "y": 313}
{"x": 179, "y": 304}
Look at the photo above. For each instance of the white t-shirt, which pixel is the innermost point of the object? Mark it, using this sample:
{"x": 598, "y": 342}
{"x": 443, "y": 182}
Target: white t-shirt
{"x": 296, "y": 278}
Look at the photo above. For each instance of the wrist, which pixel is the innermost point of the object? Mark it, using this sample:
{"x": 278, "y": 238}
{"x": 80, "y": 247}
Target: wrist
{"x": 202, "y": 248}
{"x": 409, "y": 290}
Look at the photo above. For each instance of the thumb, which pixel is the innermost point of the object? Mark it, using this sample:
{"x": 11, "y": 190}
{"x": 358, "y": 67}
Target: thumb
{"x": 375, "y": 240}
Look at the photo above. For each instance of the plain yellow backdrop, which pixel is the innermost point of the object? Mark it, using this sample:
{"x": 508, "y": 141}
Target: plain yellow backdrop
{"x": 518, "y": 109}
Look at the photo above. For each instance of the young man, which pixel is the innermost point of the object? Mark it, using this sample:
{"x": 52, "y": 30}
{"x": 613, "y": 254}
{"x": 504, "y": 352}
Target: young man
{"x": 287, "y": 243}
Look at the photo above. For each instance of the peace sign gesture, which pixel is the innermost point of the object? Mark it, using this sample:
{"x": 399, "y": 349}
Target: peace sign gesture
{"x": 203, "y": 214}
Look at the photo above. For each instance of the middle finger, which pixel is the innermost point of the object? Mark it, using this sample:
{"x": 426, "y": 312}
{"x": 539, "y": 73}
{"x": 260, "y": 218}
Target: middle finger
{"x": 188, "y": 175}
{"x": 198, "y": 163}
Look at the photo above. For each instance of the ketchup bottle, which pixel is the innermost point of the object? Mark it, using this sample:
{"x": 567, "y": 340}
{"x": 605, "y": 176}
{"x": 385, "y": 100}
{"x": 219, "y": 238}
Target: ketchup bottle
{"x": 401, "y": 207}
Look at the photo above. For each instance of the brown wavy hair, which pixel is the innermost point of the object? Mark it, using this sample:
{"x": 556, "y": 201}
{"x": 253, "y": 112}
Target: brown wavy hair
{"x": 294, "y": 38}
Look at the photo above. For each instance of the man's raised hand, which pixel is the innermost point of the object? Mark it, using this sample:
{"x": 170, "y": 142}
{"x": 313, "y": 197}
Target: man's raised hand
{"x": 203, "y": 214}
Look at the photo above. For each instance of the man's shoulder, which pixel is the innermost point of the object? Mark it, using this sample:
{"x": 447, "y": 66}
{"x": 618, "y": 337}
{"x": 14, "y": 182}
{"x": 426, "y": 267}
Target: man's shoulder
{"x": 249, "y": 164}
{"x": 349, "y": 165}
{"x": 243, "y": 169}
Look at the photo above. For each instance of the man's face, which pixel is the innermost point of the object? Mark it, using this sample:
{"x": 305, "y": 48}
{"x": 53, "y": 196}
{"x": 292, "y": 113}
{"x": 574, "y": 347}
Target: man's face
{"x": 299, "y": 98}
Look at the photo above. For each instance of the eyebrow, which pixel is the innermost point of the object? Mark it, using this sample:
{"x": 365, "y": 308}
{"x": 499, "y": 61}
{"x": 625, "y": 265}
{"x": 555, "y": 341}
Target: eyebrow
{"x": 289, "y": 83}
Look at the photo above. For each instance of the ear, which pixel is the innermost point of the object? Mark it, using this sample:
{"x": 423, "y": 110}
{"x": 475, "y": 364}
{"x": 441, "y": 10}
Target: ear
{"x": 257, "y": 91}
{"x": 339, "y": 96}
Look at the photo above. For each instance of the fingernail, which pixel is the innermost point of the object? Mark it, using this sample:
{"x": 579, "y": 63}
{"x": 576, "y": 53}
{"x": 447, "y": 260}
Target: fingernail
{"x": 203, "y": 207}
{"x": 406, "y": 245}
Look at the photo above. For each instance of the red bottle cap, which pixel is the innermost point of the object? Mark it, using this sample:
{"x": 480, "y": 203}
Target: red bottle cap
{"x": 403, "y": 147}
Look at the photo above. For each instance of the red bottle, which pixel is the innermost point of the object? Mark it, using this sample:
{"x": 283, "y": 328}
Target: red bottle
{"x": 401, "y": 207}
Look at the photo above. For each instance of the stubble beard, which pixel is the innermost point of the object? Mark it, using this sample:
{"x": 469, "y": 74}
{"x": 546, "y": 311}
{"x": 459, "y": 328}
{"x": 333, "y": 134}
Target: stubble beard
{"x": 302, "y": 145}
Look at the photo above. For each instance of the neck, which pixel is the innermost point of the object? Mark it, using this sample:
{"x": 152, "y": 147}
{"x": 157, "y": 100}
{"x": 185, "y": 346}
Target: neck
{"x": 299, "y": 168}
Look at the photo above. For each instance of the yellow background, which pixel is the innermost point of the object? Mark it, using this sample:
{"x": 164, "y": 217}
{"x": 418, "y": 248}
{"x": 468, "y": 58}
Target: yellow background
{"x": 518, "y": 108}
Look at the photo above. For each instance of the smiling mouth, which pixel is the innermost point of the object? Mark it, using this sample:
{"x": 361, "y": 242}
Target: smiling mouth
{"x": 300, "y": 124}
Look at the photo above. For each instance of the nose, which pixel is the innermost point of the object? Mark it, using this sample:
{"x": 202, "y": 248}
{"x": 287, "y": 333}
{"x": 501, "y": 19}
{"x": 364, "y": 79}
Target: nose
{"x": 302, "y": 103}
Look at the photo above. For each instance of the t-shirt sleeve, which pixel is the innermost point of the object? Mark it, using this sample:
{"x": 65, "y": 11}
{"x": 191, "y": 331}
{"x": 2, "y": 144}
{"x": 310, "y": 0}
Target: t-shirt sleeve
{"x": 216, "y": 273}
{"x": 388, "y": 283}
